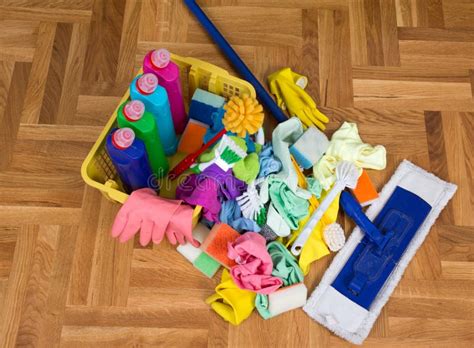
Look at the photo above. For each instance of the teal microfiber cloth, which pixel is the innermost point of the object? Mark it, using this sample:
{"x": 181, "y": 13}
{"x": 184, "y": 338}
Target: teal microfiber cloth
{"x": 309, "y": 147}
{"x": 288, "y": 205}
{"x": 206, "y": 265}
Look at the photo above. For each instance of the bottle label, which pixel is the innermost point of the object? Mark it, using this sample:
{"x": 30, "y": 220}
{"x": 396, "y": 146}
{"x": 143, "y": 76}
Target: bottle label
{"x": 134, "y": 110}
{"x": 160, "y": 58}
{"x": 123, "y": 138}
{"x": 147, "y": 83}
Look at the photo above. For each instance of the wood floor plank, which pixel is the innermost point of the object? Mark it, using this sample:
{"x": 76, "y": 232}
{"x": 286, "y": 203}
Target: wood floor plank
{"x": 44, "y": 14}
{"x": 126, "y": 336}
{"x": 39, "y": 72}
{"x": 334, "y": 58}
{"x": 460, "y": 126}
{"x": 55, "y": 78}
{"x": 72, "y": 74}
{"x": 18, "y": 39}
{"x": 14, "y": 297}
{"x": 111, "y": 261}
{"x": 103, "y": 50}
{"x": 129, "y": 41}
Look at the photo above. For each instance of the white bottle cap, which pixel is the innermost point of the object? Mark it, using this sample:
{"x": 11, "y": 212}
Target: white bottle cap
{"x": 133, "y": 110}
{"x": 123, "y": 138}
{"x": 160, "y": 58}
{"x": 147, "y": 83}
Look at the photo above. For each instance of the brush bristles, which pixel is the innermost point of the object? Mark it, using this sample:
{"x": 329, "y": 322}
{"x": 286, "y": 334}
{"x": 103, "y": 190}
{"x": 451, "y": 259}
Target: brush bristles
{"x": 348, "y": 173}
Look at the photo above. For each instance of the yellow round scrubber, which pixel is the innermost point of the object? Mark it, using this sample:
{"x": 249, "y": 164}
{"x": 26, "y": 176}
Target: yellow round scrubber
{"x": 243, "y": 115}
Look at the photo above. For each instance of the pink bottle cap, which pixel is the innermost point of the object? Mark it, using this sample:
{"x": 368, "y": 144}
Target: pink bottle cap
{"x": 160, "y": 58}
{"x": 133, "y": 110}
{"x": 123, "y": 138}
{"x": 147, "y": 83}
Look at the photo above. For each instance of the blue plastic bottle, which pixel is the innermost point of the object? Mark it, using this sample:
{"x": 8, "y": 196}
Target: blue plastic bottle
{"x": 129, "y": 156}
{"x": 146, "y": 89}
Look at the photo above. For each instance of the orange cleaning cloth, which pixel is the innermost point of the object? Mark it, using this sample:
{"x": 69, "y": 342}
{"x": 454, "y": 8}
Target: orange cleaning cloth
{"x": 365, "y": 191}
{"x": 216, "y": 242}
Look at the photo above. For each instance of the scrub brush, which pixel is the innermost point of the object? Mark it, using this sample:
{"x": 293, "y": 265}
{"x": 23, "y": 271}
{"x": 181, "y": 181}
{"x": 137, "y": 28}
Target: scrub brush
{"x": 347, "y": 175}
{"x": 334, "y": 237}
{"x": 228, "y": 153}
{"x": 250, "y": 203}
{"x": 244, "y": 115}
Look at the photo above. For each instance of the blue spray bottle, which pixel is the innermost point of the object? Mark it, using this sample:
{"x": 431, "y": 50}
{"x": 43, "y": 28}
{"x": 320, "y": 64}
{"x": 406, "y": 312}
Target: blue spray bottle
{"x": 129, "y": 156}
{"x": 146, "y": 89}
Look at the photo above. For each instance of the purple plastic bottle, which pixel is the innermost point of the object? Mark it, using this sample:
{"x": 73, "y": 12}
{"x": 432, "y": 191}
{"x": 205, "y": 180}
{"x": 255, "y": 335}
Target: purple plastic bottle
{"x": 159, "y": 63}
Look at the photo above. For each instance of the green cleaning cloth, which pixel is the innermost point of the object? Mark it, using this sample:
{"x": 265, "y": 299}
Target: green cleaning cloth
{"x": 288, "y": 205}
{"x": 285, "y": 267}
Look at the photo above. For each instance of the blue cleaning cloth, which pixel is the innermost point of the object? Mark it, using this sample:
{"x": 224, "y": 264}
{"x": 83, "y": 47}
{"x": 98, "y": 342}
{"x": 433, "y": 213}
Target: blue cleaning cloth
{"x": 269, "y": 164}
{"x": 243, "y": 225}
{"x": 230, "y": 211}
{"x": 232, "y": 216}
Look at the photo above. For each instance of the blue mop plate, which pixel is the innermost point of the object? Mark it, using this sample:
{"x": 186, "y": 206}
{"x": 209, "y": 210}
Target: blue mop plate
{"x": 369, "y": 266}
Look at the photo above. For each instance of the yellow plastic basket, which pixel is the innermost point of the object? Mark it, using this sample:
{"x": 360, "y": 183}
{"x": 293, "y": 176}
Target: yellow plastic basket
{"x": 98, "y": 170}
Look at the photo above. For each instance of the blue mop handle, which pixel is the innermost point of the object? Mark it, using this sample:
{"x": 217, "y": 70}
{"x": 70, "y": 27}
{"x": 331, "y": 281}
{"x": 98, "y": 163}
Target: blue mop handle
{"x": 238, "y": 63}
{"x": 354, "y": 210}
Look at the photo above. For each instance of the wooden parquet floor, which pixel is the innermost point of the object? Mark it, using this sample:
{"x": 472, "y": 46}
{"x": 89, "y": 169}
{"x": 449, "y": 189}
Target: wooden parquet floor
{"x": 402, "y": 69}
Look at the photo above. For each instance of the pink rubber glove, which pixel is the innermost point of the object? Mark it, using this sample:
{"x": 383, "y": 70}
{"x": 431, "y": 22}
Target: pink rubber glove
{"x": 151, "y": 214}
{"x": 180, "y": 228}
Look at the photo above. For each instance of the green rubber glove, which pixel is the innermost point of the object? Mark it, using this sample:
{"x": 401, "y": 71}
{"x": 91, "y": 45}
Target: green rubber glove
{"x": 288, "y": 87}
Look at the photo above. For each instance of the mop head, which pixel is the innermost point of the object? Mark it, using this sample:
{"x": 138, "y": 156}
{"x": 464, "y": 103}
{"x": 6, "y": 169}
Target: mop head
{"x": 351, "y": 314}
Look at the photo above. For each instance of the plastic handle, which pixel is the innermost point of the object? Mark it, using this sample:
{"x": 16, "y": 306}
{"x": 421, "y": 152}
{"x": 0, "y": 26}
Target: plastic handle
{"x": 238, "y": 63}
{"x": 182, "y": 166}
{"x": 298, "y": 245}
{"x": 354, "y": 210}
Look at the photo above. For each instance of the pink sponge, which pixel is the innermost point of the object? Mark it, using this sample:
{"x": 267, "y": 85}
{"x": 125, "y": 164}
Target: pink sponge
{"x": 216, "y": 242}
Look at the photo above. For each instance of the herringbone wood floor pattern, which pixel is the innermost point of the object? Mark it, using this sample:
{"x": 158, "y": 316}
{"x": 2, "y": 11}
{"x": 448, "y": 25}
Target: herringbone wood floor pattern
{"x": 402, "y": 69}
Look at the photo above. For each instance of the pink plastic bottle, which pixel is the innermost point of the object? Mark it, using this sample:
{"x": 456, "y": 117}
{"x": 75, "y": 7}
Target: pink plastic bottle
{"x": 159, "y": 63}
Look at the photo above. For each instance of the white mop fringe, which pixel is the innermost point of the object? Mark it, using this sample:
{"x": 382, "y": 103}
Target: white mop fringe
{"x": 357, "y": 337}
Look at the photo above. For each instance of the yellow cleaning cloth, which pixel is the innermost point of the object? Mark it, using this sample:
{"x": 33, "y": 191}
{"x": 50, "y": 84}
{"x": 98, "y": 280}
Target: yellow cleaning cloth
{"x": 315, "y": 248}
{"x": 231, "y": 303}
{"x": 346, "y": 145}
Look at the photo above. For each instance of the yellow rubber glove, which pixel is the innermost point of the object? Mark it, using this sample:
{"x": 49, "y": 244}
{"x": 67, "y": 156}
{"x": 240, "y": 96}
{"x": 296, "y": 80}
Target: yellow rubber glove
{"x": 288, "y": 87}
{"x": 231, "y": 303}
